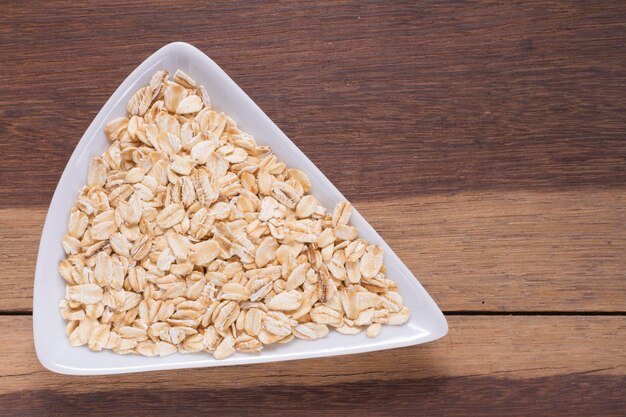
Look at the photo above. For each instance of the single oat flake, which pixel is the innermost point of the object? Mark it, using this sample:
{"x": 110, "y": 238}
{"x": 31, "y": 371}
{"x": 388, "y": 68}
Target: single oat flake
{"x": 189, "y": 237}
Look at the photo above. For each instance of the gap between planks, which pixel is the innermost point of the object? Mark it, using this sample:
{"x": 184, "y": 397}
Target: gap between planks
{"x": 453, "y": 313}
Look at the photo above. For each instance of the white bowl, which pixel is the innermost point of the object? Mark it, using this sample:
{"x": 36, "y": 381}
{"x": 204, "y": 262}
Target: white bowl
{"x": 53, "y": 350}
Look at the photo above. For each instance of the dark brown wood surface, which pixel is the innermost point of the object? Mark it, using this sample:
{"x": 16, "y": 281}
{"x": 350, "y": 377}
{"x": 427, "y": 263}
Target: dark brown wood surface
{"x": 486, "y": 141}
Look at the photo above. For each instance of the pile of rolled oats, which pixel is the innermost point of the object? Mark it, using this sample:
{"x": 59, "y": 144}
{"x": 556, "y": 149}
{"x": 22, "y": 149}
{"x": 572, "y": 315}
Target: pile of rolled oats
{"x": 191, "y": 237}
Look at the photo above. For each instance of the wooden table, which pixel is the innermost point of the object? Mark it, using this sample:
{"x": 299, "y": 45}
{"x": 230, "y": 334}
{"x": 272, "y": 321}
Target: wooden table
{"x": 485, "y": 141}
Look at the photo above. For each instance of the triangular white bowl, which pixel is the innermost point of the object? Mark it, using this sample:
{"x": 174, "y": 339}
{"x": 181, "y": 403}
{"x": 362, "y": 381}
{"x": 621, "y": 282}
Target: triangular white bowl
{"x": 426, "y": 323}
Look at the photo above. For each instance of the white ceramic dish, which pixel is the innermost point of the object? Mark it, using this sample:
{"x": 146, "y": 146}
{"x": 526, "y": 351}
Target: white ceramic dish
{"x": 426, "y": 323}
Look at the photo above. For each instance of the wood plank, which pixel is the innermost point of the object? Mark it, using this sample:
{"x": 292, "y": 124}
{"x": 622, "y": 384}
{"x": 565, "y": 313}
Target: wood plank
{"x": 516, "y": 251}
{"x": 567, "y": 396}
{"x": 525, "y": 365}
{"x": 389, "y": 98}
{"x": 20, "y": 236}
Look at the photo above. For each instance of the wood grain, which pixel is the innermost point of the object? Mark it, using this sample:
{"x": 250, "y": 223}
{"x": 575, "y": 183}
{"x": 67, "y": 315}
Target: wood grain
{"x": 485, "y": 363}
{"x": 554, "y": 396}
{"x": 563, "y": 251}
{"x": 484, "y": 140}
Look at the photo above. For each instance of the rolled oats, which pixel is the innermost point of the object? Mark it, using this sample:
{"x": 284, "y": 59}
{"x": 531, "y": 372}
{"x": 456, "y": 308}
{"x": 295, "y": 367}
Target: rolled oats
{"x": 189, "y": 237}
